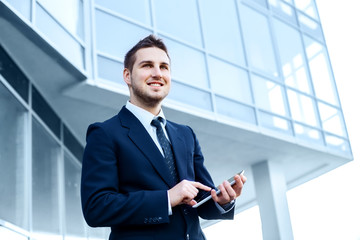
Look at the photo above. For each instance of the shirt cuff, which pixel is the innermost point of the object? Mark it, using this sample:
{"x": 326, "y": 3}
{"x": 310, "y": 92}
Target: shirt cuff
{"x": 225, "y": 208}
{"x": 169, "y": 204}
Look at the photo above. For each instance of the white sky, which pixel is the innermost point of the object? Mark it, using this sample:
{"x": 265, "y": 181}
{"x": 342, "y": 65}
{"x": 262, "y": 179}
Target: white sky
{"x": 329, "y": 206}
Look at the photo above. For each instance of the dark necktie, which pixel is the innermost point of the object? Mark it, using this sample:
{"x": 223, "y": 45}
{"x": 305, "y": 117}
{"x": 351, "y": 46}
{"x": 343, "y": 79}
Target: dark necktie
{"x": 166, "y": 147}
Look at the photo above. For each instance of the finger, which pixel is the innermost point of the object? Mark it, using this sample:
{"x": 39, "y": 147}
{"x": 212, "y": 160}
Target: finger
{"x": 201, "y": 186}
{"x": 214, "y": 196}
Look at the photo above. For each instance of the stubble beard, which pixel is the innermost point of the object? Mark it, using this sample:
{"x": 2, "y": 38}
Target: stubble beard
{"x": 146, "y": 99}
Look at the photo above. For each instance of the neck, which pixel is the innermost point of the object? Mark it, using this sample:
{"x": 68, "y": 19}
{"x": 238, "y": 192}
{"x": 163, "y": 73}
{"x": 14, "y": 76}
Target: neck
{"x": 152, "y": 108}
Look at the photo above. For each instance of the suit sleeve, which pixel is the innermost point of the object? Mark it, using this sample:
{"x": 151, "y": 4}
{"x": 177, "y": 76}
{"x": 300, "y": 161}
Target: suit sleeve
{"x": 102, "y": 203}
{"x": 208, "y": 210}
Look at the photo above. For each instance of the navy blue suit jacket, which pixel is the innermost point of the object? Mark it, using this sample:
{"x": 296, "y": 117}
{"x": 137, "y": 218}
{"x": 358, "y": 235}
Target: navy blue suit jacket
{"x": 125, "y": 181}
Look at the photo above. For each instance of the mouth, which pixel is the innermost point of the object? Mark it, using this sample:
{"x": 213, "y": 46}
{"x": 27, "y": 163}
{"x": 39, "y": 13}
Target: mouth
{"x": 155, "y": 84}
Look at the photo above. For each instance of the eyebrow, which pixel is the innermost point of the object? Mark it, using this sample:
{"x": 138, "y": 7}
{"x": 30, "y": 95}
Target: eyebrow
{"x": 148, "y": 61}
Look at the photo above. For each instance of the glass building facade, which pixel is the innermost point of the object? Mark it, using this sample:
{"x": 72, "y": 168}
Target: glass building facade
{"x": 261, "y": 64}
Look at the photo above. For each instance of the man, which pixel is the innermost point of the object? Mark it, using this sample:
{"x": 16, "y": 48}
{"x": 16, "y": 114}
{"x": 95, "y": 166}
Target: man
{"x": 141, "y": 173}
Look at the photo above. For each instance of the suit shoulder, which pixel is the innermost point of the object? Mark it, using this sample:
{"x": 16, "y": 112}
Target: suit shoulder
{"x": 107, "y": 125}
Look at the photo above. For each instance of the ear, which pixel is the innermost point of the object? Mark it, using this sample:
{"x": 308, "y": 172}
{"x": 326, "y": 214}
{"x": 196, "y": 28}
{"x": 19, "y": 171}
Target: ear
{"x": 127, "y": 76}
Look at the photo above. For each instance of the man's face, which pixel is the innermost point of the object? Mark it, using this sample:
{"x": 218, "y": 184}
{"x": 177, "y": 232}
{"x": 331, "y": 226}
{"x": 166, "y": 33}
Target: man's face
{"x": 150, "y": 79}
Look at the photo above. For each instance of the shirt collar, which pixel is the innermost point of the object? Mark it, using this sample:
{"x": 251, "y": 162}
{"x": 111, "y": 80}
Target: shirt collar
{"x": 144, "y": 116}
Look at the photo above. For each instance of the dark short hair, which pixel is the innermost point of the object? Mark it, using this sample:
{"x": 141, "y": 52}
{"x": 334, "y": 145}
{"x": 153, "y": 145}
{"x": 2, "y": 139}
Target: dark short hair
{"x": 149, "y": 41}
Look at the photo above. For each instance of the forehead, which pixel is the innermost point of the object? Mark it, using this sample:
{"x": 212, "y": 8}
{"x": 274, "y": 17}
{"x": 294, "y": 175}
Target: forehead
{"x": 152, "y": 54}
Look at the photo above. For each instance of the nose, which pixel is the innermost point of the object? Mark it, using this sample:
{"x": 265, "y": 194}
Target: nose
{"x": 156, "y": 72}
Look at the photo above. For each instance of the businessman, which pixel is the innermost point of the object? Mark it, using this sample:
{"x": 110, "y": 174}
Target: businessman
{"x": 142, "y": 173}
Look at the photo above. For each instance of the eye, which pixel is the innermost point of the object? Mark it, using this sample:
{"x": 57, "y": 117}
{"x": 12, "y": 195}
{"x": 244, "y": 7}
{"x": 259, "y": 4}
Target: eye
{"x": 165, "y": 67}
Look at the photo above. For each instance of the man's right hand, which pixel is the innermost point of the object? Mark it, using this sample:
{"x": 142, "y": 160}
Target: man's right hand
{"x": 185, "y": 191}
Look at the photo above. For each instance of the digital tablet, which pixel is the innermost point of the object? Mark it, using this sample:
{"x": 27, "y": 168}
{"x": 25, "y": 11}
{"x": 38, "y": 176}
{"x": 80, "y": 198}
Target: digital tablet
{"x": 207, "y": 195}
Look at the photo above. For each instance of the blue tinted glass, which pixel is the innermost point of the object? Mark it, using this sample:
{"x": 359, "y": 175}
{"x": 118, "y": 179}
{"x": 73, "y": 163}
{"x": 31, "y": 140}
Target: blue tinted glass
{"x": 320, "y": 71}
{"x": 283, "y": 9}
{"x": 115, "y": 36}
{"x": 69, "y": 13}
{"x": 23, "y": 6}
{"x": 292, "y": 57}
{"x": 274, "y": 122}
{"x": 229, "y": 81}
{"x": 221, "y": 30}
{"x": 179, "y": 18}
{"x": 235, "y": 110}
{"x": 332, "y": 120}
{"x": 337, "y": 143}
{"x": 62, "y": 39}
{"x": 302, "y": 108}
{"x": 139, "y": 10}
{"x": 190, "y": 96}
{"x": 269, "y": 96}
{"x": 258, "y": 42}
{"x": 308, "y": 134}
{"x": 187, "y": 64}
{"x": 308, "y": 7}
{"x": 110, "y": 70}
{"x": 311, "y": 26}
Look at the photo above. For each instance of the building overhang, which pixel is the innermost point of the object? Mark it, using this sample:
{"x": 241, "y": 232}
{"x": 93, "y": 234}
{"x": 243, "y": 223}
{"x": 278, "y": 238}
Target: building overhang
{"x": 228, "y": 147}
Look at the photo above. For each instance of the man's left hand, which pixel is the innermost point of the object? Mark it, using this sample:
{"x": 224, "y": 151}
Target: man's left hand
{"x": 228, "y": 192}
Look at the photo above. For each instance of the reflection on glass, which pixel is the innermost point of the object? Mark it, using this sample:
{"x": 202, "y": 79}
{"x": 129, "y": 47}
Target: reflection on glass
{"x": 45, "y": 197}
{"x": 221, "y": 34}
{"x": 292, "y": 57}
{"x": 308, "y": 134}
{"x": 139, "y": 10}
{"x": 229, "y": 81}
{"x": 321, "y": 75}
{"x": 337, "y": 143}
{"x": 73, "y": 215}
{"x": 23, "y": 6}
{"x": 332, "y": 120}
{"x": 310, "y": 25}
{"x": 308, "y": 7}
{"x": 269, "y": 96}
{"x": 110, "y": 70}
{"x": 69, "y": 13}
{"x": 187, "y": 64}
{"x": 302, "y": 108}
{"x": 258, "y": 42}
{"x": 190, "y": 96}
{"x": 235, "y": 110}
{"x": 63, "y": 41}
{"x": 110, "y": 32}
{"x": 283, "y": 9}
{"x": 274, "y": 122}
{"x": 179, "y": 18}
{"x": 12, "y": 159}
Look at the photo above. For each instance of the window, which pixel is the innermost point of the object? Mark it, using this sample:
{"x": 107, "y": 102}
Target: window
{"x": 12, "y": 160}
{"x": 302, "y": 108}
{"x": 221, "y": 34}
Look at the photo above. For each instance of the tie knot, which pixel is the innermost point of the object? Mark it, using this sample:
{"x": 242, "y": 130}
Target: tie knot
{"x": 156, "y": 122}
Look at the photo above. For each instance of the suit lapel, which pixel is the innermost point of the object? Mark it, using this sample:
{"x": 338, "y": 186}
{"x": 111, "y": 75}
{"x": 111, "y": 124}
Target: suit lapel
{"x": 179, "y": 149}
{"x": 140, "y": 137}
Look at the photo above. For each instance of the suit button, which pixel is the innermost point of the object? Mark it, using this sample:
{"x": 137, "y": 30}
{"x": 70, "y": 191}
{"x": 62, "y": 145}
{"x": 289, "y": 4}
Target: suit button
{"x": 186, "y": 211}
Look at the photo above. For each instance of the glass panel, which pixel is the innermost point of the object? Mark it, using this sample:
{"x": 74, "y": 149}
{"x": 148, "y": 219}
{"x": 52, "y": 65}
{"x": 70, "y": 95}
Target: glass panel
{"x": 229, "y": 81}
{"x": 283, "y": 9}
{"x": 23, "y": 6}
{"x": 69, "y": 13}
{"x": 337, "y": 143}
{"x": 170, "y": 18}
{"x": 13, "y": 75}
{"x": 261, "y": 2}
{"x": 62, "y": 39}
{"x": 187, "y": 64}
{"x": 235, "y": 110}
{"x": 269, "y": 96}
{"x": 12, "y": 158}
{"x": 45, "y": 202}
{"x": 110, "y": 34}
{"x": 110, "y": 70}
{"x": 308, "y": 134}
{"x": 308, "y": 7}
{"x": 293, "y": 61}
{"x": 310, "y": 26}
{"x": 139, "y": 10}
{"x": 191, "y": 96}
{"x": 258, "y": 42}
{"x": 332, "y": 120}
{"x": 274, "y": 123}
{"x": 302, "y": 108}
{"x": 221, "y": 30}
{"x": 320, "y": 70}
{"x": 75, "y": 224}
